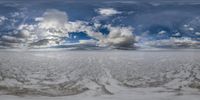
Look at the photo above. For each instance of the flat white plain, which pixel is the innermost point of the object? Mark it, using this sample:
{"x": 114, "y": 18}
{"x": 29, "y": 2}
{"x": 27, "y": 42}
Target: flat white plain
{"x": 100, "y": 75}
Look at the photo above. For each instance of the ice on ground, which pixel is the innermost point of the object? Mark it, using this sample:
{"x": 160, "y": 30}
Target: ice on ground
{"x": 97, "y": 73}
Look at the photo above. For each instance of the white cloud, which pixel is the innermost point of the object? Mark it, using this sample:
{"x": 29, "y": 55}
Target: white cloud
{"x": 53, "y": 27}
{"x": 197, "y": 33}
{"x": 52, "y": 24}
{"x": 191, "y": 29}
{"x": 20, "y": 14}
{"x": 191, "y": 26}
{"x": 162, "y": 32}
{"x": 119, "y": 36}
{"x": 2, "y": 19}
{"x": 56, "y": 23}
{"x": 177, "y": 34}
{"x": 53, "y": 19}
{"x": 108, "y": 11}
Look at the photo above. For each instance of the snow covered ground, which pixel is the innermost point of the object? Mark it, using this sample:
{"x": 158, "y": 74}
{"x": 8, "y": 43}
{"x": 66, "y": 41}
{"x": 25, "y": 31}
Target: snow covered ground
{"x": 100, "y": 75}
{"x": 128, "y": 94}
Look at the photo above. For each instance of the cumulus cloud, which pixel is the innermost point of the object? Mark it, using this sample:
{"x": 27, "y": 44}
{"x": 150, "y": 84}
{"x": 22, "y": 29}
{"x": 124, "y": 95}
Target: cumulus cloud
{"x": 51, "y": 25}
{"x": 108, "y": 11}
{"x": 10, "y": 36}
{"x": 55, "y": 24}
{"x": 119, "y": 37}
{"x": 53, "y": 28}
{"x": 53, "y": 19}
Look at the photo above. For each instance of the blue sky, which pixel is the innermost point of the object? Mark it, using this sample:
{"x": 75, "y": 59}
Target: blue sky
{"x": 102, "y": 23}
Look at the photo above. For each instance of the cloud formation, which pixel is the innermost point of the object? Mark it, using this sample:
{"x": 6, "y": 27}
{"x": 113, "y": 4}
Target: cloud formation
{"x": 108, "y": 11}
{"x": 119, "y": 37}
{"x": 2, "y": 19}
{"x": 10, "y": 41}
{"x": 53, "y": 28}
{"x": 183, "y": 42}
{"x": 54, "y": 24}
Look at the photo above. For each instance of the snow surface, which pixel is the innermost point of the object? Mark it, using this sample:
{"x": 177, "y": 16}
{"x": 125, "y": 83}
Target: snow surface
{"x": 128, "y": 94}
{"x": 100, "y": 75}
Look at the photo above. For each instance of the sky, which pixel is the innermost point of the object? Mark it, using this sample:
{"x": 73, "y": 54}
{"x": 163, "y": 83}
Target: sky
{"x": 100, "y": 23}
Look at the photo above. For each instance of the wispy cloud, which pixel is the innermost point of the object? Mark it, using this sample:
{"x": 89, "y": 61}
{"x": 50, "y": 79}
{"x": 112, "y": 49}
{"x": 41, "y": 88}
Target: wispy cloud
{"x": 108, "y": 11}
{"x": 2, "y": 19}
{"x": 183, "y": 42}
